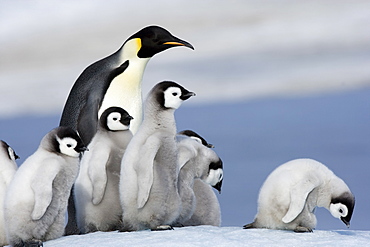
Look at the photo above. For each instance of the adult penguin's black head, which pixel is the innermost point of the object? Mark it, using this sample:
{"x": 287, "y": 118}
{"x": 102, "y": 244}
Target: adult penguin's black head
{"x": 155, "y": 39}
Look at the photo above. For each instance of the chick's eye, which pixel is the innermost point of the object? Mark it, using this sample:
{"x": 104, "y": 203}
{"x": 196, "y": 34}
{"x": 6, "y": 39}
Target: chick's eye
{"x": 174, "y": 94}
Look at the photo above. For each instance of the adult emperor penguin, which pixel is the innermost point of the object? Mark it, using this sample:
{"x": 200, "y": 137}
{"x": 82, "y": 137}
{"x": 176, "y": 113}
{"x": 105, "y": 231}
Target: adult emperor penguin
{"x": 113, "y": 81}
{"x": 149, "y": 170}
{"x": 195, "y": 162}
{"x": 289, "y": 195}
{"x": 36, "y": 199}
{"x": 98, "y": 207}
{"x": 8, "y": 167}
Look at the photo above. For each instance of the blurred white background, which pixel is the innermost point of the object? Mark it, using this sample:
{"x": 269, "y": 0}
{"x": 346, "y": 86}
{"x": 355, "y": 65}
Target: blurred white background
{"x": 243, "y": 49}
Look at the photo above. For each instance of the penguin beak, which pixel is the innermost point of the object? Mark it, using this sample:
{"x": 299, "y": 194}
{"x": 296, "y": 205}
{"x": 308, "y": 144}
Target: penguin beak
{"x": 345, "y": 222}
{"x": 178, "y": 42}
{"x": 126, "y": 121}
{"x": 187, "y": 95}
{"x": 218, "y": 186}
{"x": 209, "y": 145}
{"x": 16, "y": 156}
{"x": 82, "y": 149}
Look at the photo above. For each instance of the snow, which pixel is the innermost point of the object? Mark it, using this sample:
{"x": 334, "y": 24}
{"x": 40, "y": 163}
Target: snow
{"x": 216, "y": 237}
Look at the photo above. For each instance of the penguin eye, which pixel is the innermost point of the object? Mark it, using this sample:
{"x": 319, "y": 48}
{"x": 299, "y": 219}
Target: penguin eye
{"x": 69, "y": 145}
{"x": 341, "y": 211}
{"x": 174, "y": 94}
{"x": 115, "y": 119}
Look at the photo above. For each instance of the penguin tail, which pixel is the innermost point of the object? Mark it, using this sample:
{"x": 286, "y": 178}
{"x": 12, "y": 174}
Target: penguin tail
{"x": 249, "y": 226}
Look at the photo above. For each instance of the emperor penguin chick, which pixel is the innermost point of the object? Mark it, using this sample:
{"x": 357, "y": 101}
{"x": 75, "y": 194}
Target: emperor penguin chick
{"x": 36, "y": 199}
{"x": 195, "y": 161}
{"x": 149, "y": 170}
{"x": 207, "y": 208}
{"x": 8, "y": 167}
{"x": 289, "y": 195}
{"x": 215, "y": 174}
{"x": 98, "y": 206}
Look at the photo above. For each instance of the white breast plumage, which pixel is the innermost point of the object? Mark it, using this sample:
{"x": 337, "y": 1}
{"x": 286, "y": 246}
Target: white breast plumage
{"x": 125, "y": 89}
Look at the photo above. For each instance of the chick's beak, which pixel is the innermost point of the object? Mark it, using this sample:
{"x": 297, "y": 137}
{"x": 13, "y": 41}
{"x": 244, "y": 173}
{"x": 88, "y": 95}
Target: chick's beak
{"x": 345, "y": 222}
{"x": 187, "y": 95}
{"x": 83, "y": 149}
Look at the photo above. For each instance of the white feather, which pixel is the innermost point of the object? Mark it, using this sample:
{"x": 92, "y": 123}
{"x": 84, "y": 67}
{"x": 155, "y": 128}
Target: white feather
{"x": 291, "y": 192}
{"x": 36, "y": 199}
{"x": 97, "y": 185}
{"x": 8, "y": 168}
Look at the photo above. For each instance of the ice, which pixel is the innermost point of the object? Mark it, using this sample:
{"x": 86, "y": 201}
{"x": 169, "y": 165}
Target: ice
{"x": 216, "y": 237}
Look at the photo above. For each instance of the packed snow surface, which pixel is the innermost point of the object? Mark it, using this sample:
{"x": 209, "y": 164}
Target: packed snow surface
{"x": 216, "y": 236}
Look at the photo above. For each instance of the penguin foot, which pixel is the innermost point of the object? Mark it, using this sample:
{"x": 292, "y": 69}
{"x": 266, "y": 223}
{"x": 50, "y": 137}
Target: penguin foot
{"x": 162, "y": 228}
{"x": 177, "y": 224}
{"x": 301, "y": 229}
{"x": 249, "y": 226}
{"x": 90, "y": 228}
{"x": 125, "y": 230}
{"x": 71, "y": 230}
{"x": 33, "y": 243}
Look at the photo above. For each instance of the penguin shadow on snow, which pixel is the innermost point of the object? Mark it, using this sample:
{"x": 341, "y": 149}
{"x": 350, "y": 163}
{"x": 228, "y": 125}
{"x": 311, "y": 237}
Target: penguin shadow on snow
{"x": 346, "y": 233}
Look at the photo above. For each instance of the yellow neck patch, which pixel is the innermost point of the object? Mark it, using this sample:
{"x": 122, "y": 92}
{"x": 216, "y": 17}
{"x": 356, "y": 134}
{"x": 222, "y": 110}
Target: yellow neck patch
{"x": 138, "y": 43}
{"x": 131, "y": 48}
